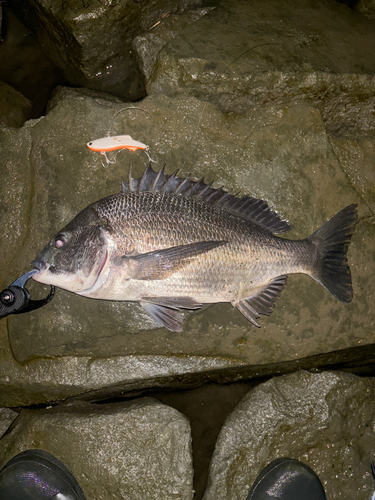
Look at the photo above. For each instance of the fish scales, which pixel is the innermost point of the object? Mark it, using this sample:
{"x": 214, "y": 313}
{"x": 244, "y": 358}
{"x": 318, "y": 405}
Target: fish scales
{"x": 173, "y": 243}
{"x": 159, "y": 221}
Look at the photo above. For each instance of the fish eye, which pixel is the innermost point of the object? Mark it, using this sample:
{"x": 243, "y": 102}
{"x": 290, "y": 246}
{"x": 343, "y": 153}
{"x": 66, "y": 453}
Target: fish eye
{"x": 60, "y": 240}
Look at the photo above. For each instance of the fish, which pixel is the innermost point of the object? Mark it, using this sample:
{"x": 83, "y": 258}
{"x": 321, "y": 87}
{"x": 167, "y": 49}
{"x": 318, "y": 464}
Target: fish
{"x": 173, "y": 243}
{"x": 114, "y": 143}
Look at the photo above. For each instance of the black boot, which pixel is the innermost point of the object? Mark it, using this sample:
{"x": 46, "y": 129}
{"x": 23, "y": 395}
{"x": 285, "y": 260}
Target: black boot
{"x": 37, "y": 475}
{"x": 287, "y": 479}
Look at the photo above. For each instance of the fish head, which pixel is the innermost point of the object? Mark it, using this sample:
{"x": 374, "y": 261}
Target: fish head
{"x": 76, "y": 256}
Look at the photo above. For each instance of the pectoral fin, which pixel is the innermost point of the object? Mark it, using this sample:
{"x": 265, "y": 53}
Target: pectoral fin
{"x": 160, "y": 264}
{"x": 262, "y": 301}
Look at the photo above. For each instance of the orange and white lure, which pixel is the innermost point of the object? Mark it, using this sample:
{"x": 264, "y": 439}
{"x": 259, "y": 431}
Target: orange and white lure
{"x": 114, "y": 143}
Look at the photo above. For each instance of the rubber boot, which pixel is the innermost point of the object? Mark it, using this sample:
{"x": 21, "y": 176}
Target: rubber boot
{"x": 287, "y": 479}
{"x": 37, "y": 475}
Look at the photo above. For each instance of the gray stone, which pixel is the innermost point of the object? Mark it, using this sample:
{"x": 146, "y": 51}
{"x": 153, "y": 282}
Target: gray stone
{"x": 355, "y": 155}
{"x": 244, "y": 54}
{"x": 77, "y": 345}
{"x": 91, "y": 41}
{"x": 149, "y": 44}
{"x": 366, "y": 7}
{"x": 25, "y": 67}
{"x": 15, "y": 108}
{"x": 7, "y": 416}
{"x": 326, "y": 420}
{"x": 135, "y": 450}
{"x": 349, "y": 115}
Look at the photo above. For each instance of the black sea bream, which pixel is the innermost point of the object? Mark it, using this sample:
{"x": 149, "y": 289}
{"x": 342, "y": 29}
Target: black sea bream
{"x": 171, "y": 243}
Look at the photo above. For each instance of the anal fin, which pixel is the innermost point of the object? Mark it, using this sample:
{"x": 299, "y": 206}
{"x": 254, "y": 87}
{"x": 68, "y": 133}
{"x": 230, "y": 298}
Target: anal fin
{"x": 262, "y": 302}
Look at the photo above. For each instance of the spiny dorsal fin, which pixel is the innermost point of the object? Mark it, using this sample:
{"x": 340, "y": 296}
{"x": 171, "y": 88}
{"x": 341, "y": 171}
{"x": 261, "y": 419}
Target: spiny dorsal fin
{"x": 246, "y": 207}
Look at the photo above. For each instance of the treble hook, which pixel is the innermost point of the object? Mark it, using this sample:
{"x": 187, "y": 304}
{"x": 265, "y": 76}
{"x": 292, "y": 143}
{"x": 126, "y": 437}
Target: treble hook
{"x": 15, "y": 299}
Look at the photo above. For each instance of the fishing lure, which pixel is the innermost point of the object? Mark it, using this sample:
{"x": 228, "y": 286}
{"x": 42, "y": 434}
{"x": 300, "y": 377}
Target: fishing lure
{"x": 114, "y": 143}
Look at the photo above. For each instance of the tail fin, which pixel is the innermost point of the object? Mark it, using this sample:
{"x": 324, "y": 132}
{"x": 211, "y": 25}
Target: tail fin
{"x": 332, "y": 242}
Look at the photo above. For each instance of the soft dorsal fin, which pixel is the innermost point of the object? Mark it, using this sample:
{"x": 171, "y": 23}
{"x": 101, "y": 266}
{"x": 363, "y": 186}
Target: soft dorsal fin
{"x": 246, "y": 207}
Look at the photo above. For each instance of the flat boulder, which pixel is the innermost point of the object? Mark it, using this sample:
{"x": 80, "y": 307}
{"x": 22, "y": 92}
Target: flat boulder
{"x": 133, "y": 450}
{"x": 241, "y": 55}
{"x": 322, "y": 419}
{"x": 76, "y": 345}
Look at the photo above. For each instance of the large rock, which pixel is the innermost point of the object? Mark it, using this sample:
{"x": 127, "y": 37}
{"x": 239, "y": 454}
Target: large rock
{"x": 149, "y": 44}
{"x": 366, "y": 7}
{"x": 326, "y": 420}
{"x": 355, "y": 154}
{"x": 91, "y": 41}
{"x": 25, "y": 67}
{"x": 135, "y": 450}
{"x": 15, "y": 108}
{"x": 7, "y": 416}
{"x": 77, "y": 345}
{"x": 244, "y": 54}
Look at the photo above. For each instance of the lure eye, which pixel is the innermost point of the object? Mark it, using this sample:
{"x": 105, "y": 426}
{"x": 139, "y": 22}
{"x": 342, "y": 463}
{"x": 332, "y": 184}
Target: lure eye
{"x": 60, "y": 240}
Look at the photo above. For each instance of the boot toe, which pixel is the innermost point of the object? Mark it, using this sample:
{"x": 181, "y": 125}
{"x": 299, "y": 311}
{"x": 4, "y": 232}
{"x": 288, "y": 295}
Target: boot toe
{"x": 38, "y": 475}
{"x": 287, "y": 479}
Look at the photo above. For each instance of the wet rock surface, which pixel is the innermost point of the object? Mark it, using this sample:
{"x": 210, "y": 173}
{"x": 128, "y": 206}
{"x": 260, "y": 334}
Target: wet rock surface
{"x": 326, "y": 420}
{"x": 242, "y": 55}
{"x": 7, "y": 416}
{"x": 149, "y": 44}
{"x": 24, "y": 66}
{"x": 91, "y": 41}
{"x": 366, "y": 7}
{"x": 15, "y": 108}
{"x": 139, "y": 449}
{"x": 271, "y": 99}
{"x": 280, "y": 154}
{"x": 355, "y": 156}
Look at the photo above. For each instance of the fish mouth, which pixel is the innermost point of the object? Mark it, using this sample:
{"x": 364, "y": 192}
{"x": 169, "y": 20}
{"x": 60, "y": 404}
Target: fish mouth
{"x": 41, "y": 267}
